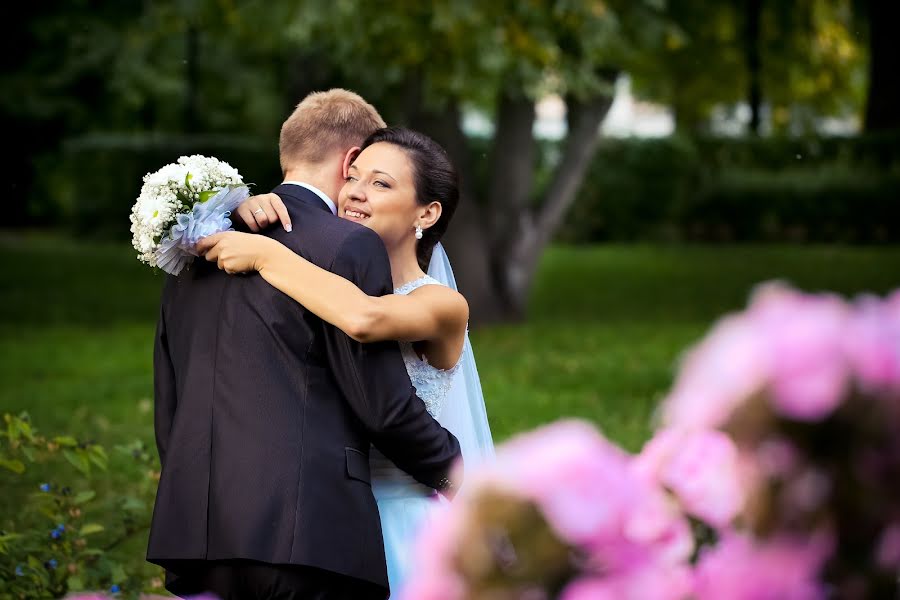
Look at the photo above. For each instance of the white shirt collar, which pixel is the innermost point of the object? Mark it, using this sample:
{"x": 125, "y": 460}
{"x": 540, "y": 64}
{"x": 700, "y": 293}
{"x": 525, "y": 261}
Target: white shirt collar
{"x": 317, "y": 192}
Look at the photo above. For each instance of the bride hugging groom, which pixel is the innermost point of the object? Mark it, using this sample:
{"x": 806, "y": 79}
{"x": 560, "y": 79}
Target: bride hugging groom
{"x": 302, "y": 446}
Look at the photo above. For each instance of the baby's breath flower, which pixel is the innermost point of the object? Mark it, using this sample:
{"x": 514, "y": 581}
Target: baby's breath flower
{"x": 170, "y": 191}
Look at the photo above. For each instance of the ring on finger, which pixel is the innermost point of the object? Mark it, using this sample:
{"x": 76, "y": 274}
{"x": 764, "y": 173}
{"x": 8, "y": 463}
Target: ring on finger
{"x": 258, "y": 210}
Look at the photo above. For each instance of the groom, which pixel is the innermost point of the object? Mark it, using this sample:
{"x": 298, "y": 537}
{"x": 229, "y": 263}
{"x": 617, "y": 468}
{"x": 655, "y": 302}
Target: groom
{"x": 264, "y": 413}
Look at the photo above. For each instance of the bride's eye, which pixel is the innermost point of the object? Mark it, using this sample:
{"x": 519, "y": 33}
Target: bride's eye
{"x": 383, "y": 184}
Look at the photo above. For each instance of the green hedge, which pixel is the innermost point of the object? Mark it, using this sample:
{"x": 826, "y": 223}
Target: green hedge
{"x": 93, "y": 182}
{"x": 835, "y": 189}
{"x": 826, "y": 189}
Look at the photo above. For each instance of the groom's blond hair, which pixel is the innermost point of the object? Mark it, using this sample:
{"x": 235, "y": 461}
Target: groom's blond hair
{"x": 325, "y": 123}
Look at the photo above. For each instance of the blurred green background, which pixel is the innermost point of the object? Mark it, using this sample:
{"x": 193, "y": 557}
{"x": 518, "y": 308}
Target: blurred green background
{"x": 631, "y": 170}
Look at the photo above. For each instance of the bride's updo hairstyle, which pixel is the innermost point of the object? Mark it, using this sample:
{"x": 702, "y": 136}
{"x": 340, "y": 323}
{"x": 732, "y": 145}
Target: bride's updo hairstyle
{"x": 434, "y": 177}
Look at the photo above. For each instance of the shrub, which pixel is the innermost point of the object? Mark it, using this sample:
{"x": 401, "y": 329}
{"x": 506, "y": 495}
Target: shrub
{"x": 62, "y": 536}
{"x": 92, "y": 184}
{"x": 769, "y": 189}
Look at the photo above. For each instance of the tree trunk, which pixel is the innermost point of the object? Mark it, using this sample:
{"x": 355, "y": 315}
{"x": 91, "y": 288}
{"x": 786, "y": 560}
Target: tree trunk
{"x": 495, "y": 247}
{"x": 752, "y": 16}
{"x": 883, "y": 104}
{"x": 584, "y": 118}
{"x": 510, "y": 186}
{"x": 467, "y": 238}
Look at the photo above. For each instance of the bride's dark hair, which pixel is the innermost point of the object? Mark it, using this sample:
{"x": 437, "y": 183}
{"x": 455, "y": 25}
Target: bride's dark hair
{"x": 434, "y": 177}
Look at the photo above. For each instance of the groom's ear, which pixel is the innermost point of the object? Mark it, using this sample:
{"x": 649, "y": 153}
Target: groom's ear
{"x": 348, "y": 160}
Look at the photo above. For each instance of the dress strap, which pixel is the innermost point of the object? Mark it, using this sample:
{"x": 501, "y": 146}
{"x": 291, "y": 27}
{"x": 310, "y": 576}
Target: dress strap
{"x": 415, "y": 284}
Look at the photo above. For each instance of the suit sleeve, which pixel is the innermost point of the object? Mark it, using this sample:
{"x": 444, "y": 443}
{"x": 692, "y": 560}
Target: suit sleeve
{"x": 374, "y": 380}
{"x": 163, "y": 388}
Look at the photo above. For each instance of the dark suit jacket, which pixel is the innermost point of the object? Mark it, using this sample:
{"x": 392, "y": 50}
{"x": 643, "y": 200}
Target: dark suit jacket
{"x": 264, "y": 413}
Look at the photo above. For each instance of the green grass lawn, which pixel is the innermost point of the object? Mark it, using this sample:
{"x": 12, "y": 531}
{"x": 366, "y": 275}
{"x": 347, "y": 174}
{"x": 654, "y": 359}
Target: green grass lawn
{"x": 606, "y": 327}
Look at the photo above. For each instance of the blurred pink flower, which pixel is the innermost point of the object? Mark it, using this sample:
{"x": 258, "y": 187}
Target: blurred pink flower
{"x": 726, "y": 368}
{"x": 589, "y": 494}
{"x": 700, "y": 468}
{"x": 776, "y": 457}
{"x": 807, "y": 490}
{"x": 892, "y": 306}
{"x": 655, "y": 581}
{"x": 434, "y": 577}
{"x": 787, "y": 343}
{"x": 740, "y": 569}
{"x": 872, "y": 343}
{"x": 591, "y": 588}
{"x": 577, "y": 477}
{"x": 658, "y": 531}
{"x": 805, "y": 336}
{"x": 433, "y": 586}
{"x": 888, "y": 553}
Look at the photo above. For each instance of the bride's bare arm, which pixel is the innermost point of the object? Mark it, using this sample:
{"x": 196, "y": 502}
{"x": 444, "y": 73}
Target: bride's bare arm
{"x": 431, "y": 312}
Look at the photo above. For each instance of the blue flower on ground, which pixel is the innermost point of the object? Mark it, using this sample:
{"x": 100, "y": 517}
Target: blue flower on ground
{"x": 51, "y": 564}
{"x": 115, "y": 589}
{"x": 55, "y": 534}
{"x": 19, "y": 571}
{"x": 61, "y": 527}
{"x": 45, "y": 487}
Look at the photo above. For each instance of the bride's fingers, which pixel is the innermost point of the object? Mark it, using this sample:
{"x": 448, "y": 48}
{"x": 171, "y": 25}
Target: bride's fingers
{"x": 271, "y": 215}
{"x": 259, "y": 214}
{"x": 246, "y": 214}
{"x": 282, "y": 212}
{"x": 206, "y": 243}
{"x": 212, "y": 255}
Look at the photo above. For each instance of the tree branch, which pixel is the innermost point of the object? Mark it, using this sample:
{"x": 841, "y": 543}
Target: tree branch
{"x": 584, "y": 119}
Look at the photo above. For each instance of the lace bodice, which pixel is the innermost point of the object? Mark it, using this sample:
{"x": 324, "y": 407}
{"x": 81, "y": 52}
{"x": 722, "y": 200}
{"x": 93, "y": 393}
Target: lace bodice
{"x": 432, "y": 384}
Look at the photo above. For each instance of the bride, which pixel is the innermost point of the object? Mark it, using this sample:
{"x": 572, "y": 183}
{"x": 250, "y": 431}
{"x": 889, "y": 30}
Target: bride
{"x": 403, "y": 186}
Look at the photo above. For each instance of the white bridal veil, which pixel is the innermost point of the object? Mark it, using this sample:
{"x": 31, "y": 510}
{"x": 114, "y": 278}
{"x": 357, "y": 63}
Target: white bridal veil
{"x": 463, "y": 412}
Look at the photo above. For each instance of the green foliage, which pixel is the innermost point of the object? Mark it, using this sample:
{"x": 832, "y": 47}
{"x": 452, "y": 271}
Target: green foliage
{"x": 698, "y": 66}
{"x": 468, "y": 50}
{"x": 97, "y": 179}
{"x": 774, "y": 189}
{"x": 125, "y": 67}
{"x": 59, "y": 541}
{"x": 812, "y": 62}
{"x": 781, "y": 189}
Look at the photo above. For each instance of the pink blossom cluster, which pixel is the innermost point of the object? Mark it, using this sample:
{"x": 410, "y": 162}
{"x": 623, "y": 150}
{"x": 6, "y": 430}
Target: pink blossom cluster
{"x": 803, "y": 352}
{"x": 780, "y": 446}
{"x": 741, "y": 568}
{"x": 785, "y": 421}
{"x": 635, "y": 541}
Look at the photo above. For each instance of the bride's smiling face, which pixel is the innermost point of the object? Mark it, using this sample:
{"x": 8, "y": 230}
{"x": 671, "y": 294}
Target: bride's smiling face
{"x": 380, "y": 193}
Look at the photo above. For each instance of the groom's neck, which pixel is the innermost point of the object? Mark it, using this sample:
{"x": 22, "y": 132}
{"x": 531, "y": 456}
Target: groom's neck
{"x": 315, "y": 176}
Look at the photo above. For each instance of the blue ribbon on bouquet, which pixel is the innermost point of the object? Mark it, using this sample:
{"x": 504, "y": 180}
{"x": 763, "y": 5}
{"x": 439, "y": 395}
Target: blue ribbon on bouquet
{"x": 178, "y": 248}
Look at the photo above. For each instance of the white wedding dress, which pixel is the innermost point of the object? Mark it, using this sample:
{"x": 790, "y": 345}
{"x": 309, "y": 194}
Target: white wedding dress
{"x": 404, "y": 503}
{"x": 453, "y": 397}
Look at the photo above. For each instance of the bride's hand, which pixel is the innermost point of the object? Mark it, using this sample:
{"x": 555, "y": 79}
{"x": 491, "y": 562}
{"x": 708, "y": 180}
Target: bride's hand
{"x": 235, "y": 252}
{"x": 258, "y": 212}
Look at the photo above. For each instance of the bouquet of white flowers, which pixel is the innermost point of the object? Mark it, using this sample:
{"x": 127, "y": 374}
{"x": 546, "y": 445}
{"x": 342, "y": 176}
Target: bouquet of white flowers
{"x": 180, "y": 204}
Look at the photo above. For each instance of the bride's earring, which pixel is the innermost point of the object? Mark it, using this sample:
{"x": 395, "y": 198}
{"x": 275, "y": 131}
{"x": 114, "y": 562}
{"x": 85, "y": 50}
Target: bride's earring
{"x": 418, "y": 232}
